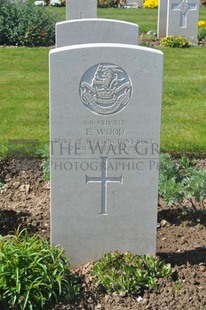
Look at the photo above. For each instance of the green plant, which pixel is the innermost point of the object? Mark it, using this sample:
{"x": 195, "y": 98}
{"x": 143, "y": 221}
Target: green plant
{"x": 195, "y": 185}
{"x": 186, "y": 163}
{"x": 44, "y": 154}
{"x": 175, "y": 41}
{"x": 170, "y": 180}
{"x": 46, "y": 170}
{"x": 127, "y": 273}
{"x": 148, "y": 39}
{"x": 179, "y": 180}
{"x": 32, "y": 273}
{"x": 21, "y": 23}
{"x": 201, "y": 34}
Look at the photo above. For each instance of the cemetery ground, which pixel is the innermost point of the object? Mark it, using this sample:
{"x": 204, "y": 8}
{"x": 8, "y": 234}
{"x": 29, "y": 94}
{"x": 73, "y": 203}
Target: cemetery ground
{"x": 25, "y": 195}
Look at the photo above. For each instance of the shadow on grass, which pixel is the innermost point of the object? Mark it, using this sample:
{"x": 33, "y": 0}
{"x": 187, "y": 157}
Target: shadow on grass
{"x": 10, "y": 220}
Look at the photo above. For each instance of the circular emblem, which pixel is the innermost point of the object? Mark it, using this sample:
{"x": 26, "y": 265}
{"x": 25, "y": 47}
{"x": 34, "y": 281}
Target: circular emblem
{"x": 105, "y": 89}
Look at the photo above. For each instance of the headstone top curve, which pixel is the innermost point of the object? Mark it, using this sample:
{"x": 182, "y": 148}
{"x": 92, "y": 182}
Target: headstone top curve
{"x": 106, "y": 45}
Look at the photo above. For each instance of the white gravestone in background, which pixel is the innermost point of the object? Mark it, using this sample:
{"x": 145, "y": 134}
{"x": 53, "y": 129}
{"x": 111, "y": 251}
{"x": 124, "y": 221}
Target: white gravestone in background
{"x": 162, "y": 18}
{"x": 140, "y": 3}
{"x": 85, "y": 31}
{"x": 105, "y": 112}
{"x": 134, "y": 3}
{"x": 183, "y": 18}
{"x": 76, "y": 9}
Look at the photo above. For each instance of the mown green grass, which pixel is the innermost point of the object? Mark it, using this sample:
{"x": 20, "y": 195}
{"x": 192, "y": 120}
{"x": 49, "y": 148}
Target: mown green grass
{"x": 145, "y": 18}
{"x": 23, "y": 94}
{"x": 24, "y": 108}
{"x": 184, "y": 100}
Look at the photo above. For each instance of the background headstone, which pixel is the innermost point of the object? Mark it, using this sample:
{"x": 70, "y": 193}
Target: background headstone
{"x": 76, "y": 9}
{"x": 183, "y": 18}
{"x": 133, "y": 4}
{"x": 85, "y": 31}
{"x": 105, "y": 110}
{"x": 162, "y": 18}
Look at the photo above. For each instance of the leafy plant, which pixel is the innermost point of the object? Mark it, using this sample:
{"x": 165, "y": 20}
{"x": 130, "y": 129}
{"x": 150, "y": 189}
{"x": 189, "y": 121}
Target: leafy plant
{"x": 22, "y": 23}
{"x": 185, "y": 163}
{"x": 127, "y": 273}
{"x": 195, "y": 184}
{"x": 170, "y": 190}
{"x": 201, "y": 34}
{"x": 32, "y": 273}
{"x": 175, "y": 41}
{"x": 46, "y": 170}
{"x": 44, "y": 154}
{"x": 148, "y": 39}
{"x": 179, "y": 180}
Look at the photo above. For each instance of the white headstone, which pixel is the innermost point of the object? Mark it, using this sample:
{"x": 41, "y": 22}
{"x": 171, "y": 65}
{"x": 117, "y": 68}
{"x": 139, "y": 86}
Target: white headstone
{"x": 183, "y": 18}
{"x": 39, "y": 3}
{"x": 105, "y": 111}
{"x": 140, "y": 3}
{"x": 162, "y": 18}
{"x": 134, "y": 4}
{"x": 95, "y": 31}
{"x": 76, "y": 9}
{"x": 55, "y": 3}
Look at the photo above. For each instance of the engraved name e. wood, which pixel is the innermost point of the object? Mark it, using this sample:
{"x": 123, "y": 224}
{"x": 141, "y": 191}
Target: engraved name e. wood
{"x": 105, "y": 89}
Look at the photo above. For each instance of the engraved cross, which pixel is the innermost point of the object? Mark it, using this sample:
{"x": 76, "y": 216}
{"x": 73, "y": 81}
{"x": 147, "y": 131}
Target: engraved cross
{"x": 104, "y": 179}
{"x": 184, "y": 7}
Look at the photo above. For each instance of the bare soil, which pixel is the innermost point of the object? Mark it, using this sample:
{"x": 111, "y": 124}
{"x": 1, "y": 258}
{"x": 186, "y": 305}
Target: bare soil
{"x": 181, "y": 241}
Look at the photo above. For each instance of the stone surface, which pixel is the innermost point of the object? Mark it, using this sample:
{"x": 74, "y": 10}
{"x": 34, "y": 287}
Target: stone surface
{"x": 95, "y": 31}
{"x": 162, "y": 18}
{"x": 134, "y": 3}
{"x": 76, "y": 9}
{"x": 105, "y": 110}
{"x": 183, "y": 18}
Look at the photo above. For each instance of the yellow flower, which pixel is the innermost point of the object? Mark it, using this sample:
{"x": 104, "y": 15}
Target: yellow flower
{"x": 150, "y": 4}
{"x": 202, "y": 24}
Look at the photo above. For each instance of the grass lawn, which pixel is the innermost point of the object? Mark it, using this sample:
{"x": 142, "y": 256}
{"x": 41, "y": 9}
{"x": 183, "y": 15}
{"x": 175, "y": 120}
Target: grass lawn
{"x": 23, "y": 94}
{"x": 145, "y": 18}
{"x": 24, "y": 111}
{"x": 184, "y": 100}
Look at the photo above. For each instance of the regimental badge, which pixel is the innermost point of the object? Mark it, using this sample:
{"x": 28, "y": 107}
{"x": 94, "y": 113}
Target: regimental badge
{"x": 105, "y": 89}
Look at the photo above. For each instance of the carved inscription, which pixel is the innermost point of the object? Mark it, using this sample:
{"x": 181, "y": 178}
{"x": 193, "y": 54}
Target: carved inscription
{"x": 105, "y": 89}
{"x": 105, "y": 128}
{"x": 184, "y": 7}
